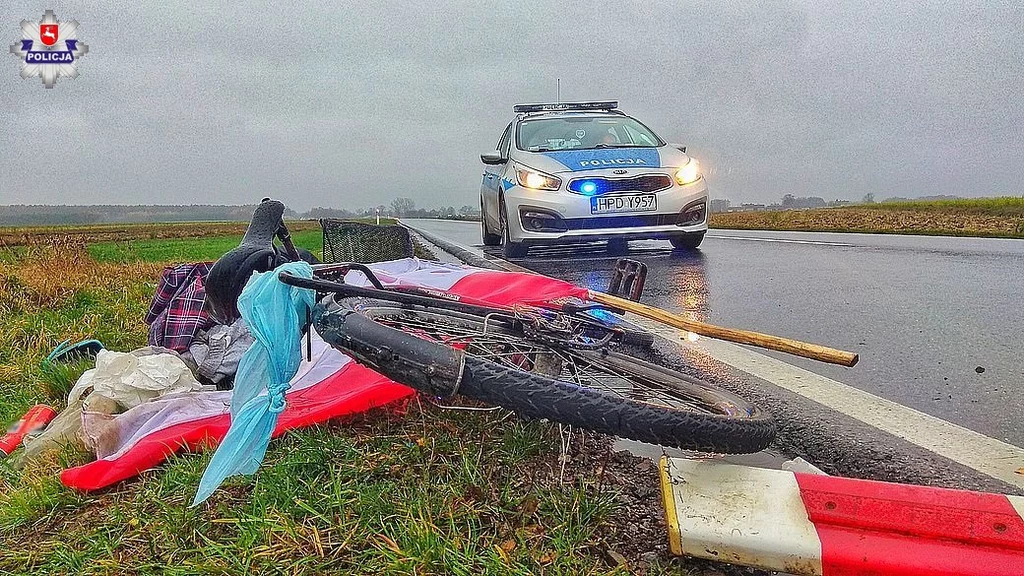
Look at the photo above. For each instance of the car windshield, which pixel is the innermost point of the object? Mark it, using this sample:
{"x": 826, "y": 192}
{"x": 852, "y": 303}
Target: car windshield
{"x": 583, "y": 133}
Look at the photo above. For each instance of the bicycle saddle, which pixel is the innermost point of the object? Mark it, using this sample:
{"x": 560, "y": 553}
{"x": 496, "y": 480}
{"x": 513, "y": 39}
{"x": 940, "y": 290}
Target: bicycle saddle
{"x": 256, "y": 253}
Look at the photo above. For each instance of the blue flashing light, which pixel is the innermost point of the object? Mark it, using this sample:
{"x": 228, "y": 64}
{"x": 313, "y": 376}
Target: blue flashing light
{"x": 589, "y": 186}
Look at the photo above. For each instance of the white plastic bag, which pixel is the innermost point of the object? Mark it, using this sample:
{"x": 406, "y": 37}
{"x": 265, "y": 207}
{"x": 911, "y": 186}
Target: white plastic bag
{"x": 135, "y": 377}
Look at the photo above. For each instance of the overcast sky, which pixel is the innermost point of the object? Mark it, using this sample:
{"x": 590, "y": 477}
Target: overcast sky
{"x": 353, "y": 105}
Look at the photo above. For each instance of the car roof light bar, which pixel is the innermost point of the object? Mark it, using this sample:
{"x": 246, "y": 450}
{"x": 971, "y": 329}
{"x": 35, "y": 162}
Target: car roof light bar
{"x": 553, "y": 106}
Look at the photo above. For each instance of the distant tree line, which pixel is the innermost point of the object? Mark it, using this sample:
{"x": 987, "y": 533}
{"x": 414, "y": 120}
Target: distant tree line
{"x": 398, "y": 208}
{"x": 28, "y": 215}
{"x": 43, "y": 215}
{"x": 792, "y": 202}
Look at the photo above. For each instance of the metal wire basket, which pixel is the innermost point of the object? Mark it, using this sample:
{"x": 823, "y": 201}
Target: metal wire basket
{"x": 348, "y": 241}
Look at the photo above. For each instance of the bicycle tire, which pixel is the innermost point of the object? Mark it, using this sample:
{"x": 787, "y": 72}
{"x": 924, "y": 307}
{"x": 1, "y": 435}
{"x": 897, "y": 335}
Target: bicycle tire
{"x": 439, "y": 369}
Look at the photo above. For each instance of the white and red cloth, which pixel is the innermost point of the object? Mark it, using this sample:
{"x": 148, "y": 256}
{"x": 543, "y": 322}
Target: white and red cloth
{"x": 330, "y": 385}
{"x": 469, "y": 284}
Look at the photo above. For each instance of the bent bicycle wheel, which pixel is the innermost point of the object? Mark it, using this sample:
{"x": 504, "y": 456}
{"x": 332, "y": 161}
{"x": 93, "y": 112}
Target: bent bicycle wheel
{"x": 495, "y": 360}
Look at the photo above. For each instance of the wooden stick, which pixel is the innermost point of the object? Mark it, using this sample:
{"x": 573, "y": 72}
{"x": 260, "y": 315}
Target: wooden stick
{"x": 804, "y": 349}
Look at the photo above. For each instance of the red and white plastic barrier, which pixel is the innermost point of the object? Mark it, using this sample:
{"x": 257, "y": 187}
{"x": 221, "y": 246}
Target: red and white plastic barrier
{"x": 824, "y": 525}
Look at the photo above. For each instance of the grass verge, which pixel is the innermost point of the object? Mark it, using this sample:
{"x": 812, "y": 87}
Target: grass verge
{"x": 430, "y": 491}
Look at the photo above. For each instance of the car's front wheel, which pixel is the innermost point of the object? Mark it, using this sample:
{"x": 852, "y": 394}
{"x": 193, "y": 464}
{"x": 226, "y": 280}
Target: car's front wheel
{"x": 687, "y": 241}
{"x": 509, "y": 248}
{"x": 485, "y": 232}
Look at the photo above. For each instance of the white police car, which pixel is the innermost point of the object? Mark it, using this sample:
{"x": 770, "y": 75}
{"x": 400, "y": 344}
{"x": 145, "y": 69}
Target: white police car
{"x": 582, "y": 171}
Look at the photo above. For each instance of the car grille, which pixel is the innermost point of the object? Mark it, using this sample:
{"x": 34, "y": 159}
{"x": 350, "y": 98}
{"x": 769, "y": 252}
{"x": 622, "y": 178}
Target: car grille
{"x": 621, "y": 221}
{"x": 646, "y": 183}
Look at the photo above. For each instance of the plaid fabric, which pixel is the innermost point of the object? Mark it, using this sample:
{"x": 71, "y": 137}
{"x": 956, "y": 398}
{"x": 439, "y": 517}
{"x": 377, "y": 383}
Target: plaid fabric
{"x": 176, "y": 313}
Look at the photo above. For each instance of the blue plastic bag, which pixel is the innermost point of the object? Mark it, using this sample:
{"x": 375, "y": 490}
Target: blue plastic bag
{"x": 274, "y": 313}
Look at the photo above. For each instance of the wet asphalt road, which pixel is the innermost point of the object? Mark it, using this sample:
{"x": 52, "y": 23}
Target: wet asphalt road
{"x": 924, "y": 313}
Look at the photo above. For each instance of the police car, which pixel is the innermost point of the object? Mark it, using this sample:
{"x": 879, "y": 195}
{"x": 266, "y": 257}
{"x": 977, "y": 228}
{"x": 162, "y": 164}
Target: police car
{"x": 583, "y": 171}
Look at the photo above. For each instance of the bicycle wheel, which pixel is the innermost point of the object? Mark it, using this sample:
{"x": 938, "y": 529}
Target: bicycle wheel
{"x": 498, "y": 360}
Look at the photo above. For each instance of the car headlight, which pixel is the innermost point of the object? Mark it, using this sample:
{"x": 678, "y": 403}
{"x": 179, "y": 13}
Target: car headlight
{"x": 688, "y": 174}
{"x": 529, "y": 178}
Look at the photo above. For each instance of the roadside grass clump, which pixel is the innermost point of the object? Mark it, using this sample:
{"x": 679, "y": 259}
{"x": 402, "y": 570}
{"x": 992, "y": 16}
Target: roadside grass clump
{"x": 55, "y": 291}
{"x": 55, "y": 272}
{"x": 57, "y": 378}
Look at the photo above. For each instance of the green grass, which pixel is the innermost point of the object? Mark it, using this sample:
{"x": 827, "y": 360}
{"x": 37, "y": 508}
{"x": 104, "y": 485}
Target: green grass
{"x": 432, "y": 492}
{"x": 188, "y": 249}
{"x": 28, "y": 334}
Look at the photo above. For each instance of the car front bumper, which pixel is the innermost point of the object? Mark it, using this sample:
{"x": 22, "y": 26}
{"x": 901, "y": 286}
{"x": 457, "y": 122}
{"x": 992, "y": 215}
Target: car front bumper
{"x": 542, "y": 217}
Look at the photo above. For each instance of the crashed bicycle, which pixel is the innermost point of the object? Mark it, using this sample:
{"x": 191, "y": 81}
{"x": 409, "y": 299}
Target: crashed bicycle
{"x": 564, "y": 363}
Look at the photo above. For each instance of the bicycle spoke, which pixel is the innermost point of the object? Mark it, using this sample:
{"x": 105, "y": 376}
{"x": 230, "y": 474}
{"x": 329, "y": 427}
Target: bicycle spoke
{"x": 499, "y": 344}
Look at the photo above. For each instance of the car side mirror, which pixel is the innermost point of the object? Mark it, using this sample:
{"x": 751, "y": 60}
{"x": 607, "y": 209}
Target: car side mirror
{"x": 492, "y": 158}
{"x": 679, "y": 147}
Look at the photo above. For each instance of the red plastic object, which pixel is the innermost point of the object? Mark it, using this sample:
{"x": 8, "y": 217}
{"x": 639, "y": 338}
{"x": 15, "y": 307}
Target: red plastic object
{"x": 35, "y": 419}
{"x": 868, "y": 527}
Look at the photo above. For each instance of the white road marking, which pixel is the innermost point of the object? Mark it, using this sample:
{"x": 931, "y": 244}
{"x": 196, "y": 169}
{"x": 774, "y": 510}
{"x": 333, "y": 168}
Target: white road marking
{"x": 1018, "y": 504}
{"x": 987, "y": 455}
{"x": 782, "y": 240}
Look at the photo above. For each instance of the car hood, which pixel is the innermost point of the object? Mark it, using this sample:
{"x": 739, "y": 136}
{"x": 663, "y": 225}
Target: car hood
{"x": 560, "y": 161}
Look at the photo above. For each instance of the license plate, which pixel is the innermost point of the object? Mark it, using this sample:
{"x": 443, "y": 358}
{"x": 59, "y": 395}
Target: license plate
{"x": 614, "y": 204}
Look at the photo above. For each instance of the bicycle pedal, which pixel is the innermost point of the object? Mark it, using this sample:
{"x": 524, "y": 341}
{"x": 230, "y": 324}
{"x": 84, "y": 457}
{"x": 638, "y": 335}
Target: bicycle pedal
{"x": 628, "y": 278}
